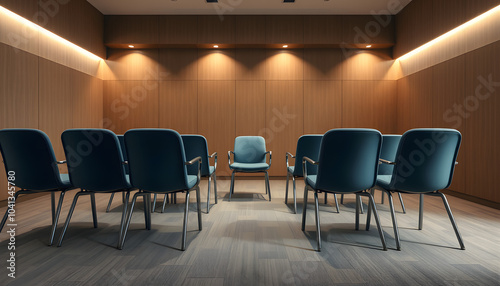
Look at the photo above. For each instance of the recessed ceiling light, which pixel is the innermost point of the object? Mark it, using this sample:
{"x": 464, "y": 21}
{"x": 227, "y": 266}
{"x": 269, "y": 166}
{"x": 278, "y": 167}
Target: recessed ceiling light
{"x": 285, "y": 46}
{"x": 216, "y": 46}
{"x": 130, "y": 46}
{"x": 288, "y": 1}
{"x": 368, "y": 46}
{"x": 212, "y": 1}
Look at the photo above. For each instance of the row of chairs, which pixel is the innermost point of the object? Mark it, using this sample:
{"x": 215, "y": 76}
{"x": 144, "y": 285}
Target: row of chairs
{"x": 421, "y": 161}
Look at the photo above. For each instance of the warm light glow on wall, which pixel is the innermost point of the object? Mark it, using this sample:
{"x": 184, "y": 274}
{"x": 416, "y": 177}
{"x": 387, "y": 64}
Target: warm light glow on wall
{"x": 22, "y": 21}
{"x": 485, "y": 17}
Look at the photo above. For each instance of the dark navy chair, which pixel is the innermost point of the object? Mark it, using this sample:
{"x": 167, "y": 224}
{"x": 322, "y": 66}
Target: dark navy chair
{"x": 95, "y": 165}
{"x": 347, "y": 163}
{"x": 124, "y": 154}
{"x": 390, "y": 145}
{"x": 424, "y": 164}
{"x": 307, "y": 146}
{"x": 31, "y": 166}
{"x": 196, "y": 146}
{"x": 157, "y": 163}
{"x": 249, "y": 156}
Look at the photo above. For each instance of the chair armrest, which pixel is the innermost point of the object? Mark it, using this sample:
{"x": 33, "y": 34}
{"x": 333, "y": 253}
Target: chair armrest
{"x": 125, "y": 163}
{"x": 270, "y": 157}
{"x": 386, "y": 162}
{"x": 191, "y": 162}
{"x": 456, "y": 163}
{"x": 288, "y": 154}
{"x": 229, "y": 156}
{"x": 306, "y": 160}
{"x": 214, "y": 155}
{"x": 61, "y": 162}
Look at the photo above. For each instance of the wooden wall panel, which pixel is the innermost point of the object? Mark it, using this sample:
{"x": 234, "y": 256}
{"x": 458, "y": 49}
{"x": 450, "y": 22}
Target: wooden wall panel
{"x": 250, "y": 64}
{"x": 178, "y": 64}
{"x": 285, "y": 29}
{"x": 178, "y": 30}
{"x": 130, "y": 104}
{"x": 285, "y": 65}
{"x": 131, "y": 29}
{"x": 403, "y": 105}
{"x": 216, "y": 118}
{"x": 323, "y": 64}
{"x": 97, "y": 101}
{"x": 216, "y": 30}
{"x": 284, "y": 120}
{"x": 368, "y": 65}
{"x": 369, "y": 104}
{"x": 322, "y": 106}
{"x": 448, "y": 91}
{"x": 482, "y": 128}
{"x": 216, "y": 65}
{"x": 322, "y": 29}
{"x": 132, "y": 65}
{"x": 250, "y": 108}
{"x": 250, "y": 30}
{"x": 26, "y": 9}
{"x": 366, "y": 29}
{"x": 178, "y": 104}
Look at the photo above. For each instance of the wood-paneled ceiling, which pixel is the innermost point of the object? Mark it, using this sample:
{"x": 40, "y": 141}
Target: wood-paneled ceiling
{"x": 249, "y": 7}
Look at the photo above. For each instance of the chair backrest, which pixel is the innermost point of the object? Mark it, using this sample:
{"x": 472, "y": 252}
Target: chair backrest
{"x": 388, "y": 152}
{"x": 194, "y": 146}
{"x": 121, "y": 139}
{"x": 29, "y": 153}
{"x": 94, "y": 159}
{"x": 348, "y": 160}
{"x": 249, "y": 149}
{"x": 425, "y": 160}
{"x": 307, "y": 146}
{"x": 156, "y": 160}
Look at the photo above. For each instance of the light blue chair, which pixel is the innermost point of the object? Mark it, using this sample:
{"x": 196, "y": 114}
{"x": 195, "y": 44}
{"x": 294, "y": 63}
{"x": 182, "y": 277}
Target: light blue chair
{"x": 347, "y": 163}
{"x": 249, "y": 157}
{"x": 157, "y": 163}
{"x": 31, "y": 166}
{"x": 95, "y": 165}
{"x": 307, "y": 146}
{"x": 196, "y": 146}
{"x": 424, "y": 164}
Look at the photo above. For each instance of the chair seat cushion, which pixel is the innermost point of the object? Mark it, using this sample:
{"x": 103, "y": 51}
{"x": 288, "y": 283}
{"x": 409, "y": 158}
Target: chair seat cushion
{"x": 384, "y": 181}
{"x": 311, "y": 181}
{"x": 249, "y": 167}
{"x": 191, "y": 180}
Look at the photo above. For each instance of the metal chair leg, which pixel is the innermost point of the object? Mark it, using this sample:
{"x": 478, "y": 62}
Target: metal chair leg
{"x": 174, "y": 195}
{"x": 294, "y": 196}
{"x": 361, "y": 210}
{"x": 215, "y": 187}
{"x": 377, "y": 219}
{"x": 149, "y": 211}
{"x": 72, "y": 208}
{"x": 124, "y": 218}
{"x": 154, "y": 203}
{"x": 198, "y": 199}
{"x": 357, "y": 213}
{"x": 304, "y": 208}
{"x": 208, "y": 195}
{"x": 130, "y": 212}
{"x": 56, "y": 219}
{"x": 231, "y": 187}
{"x": 184, "y": 227}
{"x": 94, "y": 210}
{"x": 452, "y": 220}
{"x": 146, "y": 210}
{"x": 53, "y": 206}
{"x": 421, "y": 212}
{"x": 165, "y": 199}
{"x": 382, "y": 198}
{"x": 286, "y": 188}
{"x": 394, "y": 221}
{"x": 267, "y": 184}
{"x": 336, "y": 202}
{"x": 6, "y": 215}
{"x": 368, "y": 216}
{"x": 318, "y": 229}
{"x": 402, "y": 203}
{"x": 342, "y": 199}
{"x": 110, "y": 201}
